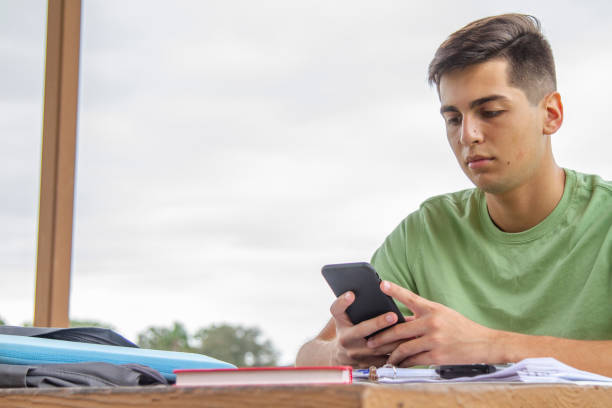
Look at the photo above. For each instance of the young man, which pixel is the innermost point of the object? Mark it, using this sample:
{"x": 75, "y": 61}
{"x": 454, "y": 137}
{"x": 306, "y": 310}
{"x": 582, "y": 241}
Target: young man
{"x": 520, "y": 266}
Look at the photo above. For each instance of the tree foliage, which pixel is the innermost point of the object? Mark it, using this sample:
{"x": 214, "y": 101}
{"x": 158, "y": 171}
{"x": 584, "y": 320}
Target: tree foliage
{"x": 242, "y": 346}
{"x": 163, "y": 338}
{"x": 2, "y": 322}
{"x": 90, "y": 323}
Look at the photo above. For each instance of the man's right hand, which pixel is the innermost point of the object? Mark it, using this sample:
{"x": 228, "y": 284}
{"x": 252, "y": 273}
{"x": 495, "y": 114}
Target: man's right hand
{"x": 349, "y": 343}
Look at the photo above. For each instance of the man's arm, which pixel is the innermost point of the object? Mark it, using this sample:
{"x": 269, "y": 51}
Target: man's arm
{"x": 443, "y": 336}
{"x": 319, "y": 351}
{"x": 342, "y": 343}
{"x": 589, "y": 355}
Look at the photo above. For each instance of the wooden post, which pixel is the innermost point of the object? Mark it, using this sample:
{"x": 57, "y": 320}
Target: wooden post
{"x": 58, "y": 162}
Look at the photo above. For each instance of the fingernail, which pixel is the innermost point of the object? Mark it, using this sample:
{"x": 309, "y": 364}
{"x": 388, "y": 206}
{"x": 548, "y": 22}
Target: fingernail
{"x": 390, "y": 317}
{"x": 348, "y": 296}
{"x": 370, "y": 343}
{"x": 386, "y": 285}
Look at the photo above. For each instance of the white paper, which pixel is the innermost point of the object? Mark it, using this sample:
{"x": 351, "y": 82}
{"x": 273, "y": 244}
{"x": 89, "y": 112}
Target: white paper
{"x": 530, "y": 370}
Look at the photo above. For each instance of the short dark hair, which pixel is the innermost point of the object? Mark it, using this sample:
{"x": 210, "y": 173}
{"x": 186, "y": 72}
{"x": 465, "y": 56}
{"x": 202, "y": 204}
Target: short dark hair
{"x": 517, "y": 38}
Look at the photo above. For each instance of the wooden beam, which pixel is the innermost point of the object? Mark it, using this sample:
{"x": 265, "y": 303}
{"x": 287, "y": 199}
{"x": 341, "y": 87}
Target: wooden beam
{"x": 58, "y": 163}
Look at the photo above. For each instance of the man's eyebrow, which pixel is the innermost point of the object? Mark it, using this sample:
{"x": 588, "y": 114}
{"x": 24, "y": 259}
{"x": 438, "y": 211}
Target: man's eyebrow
{"x": 486, "y": 99}
{"x": 474, "y": 103}
{"x": 448, "y": 108}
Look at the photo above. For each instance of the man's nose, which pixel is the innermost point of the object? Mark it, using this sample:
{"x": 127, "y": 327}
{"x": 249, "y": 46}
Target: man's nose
{"x": 470, "y": 131}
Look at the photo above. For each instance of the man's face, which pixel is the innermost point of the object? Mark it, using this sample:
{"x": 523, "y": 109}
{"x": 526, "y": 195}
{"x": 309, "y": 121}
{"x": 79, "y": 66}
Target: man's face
{"x": 493, "y": 129}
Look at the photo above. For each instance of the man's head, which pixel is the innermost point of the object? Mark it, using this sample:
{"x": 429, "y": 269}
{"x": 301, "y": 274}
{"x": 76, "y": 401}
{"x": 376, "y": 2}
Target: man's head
{"x": 515, "y": 38}
{"x": 496, "y": 83}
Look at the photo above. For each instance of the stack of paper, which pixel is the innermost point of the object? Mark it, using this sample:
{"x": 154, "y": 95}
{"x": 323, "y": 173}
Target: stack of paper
{"x": 530, "y": 370}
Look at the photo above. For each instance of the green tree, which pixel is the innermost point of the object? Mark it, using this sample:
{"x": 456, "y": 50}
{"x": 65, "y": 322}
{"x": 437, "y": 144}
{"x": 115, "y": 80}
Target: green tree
{"x": 242, "y": 346}
{"x": 90, "y": 323}
{"x": 163, "y": 338}
{"x": 2, "y": 322}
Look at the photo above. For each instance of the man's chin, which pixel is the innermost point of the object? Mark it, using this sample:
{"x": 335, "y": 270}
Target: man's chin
{"x": 488, "y": 184}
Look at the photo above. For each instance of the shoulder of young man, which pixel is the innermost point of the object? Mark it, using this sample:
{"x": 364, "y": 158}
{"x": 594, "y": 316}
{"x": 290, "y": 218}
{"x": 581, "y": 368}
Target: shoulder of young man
{"x": 457, "y": 200}
{"x": 440, "y": 208}
{"x": 592, "y": 182}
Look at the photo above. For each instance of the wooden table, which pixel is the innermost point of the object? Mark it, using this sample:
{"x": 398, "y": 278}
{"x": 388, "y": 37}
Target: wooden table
{"x": 355, "y": 395}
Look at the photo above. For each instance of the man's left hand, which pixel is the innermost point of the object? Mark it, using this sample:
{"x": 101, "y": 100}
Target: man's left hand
{"x": 437, "y": 335}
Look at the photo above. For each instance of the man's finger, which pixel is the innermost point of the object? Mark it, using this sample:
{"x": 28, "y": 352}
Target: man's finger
{"x": 367, "y": 327}
{"x": 414, "y": 302}
{"x": 419, "y": 359}
{"x": 385, "y": 349}
{"x": 338, "y": 309}
{"x": 400, "y": 332}
{"x": 408, "y": 349}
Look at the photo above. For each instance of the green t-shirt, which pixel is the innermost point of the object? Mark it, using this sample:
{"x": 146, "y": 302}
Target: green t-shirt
{"x": 553, "y": 279}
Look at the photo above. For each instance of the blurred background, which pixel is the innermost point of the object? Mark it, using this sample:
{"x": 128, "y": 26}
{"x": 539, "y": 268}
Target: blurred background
{"x": 228, "y": 149}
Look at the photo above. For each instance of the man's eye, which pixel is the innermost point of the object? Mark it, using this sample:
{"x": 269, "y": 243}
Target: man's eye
{"x": 491, "y": 114}
{"x": 453, "y": 120}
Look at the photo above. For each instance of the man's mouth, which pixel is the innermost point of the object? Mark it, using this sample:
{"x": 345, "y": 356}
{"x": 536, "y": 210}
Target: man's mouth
{"x": 476, "y": 162}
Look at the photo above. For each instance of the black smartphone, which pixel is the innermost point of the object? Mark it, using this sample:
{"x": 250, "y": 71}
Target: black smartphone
{"x": 361, "y": 279}
{"x": 449, "y": 372}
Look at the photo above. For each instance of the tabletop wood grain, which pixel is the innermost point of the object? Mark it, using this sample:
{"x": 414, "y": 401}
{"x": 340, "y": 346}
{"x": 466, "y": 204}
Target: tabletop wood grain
{"x": 355, "y": 395}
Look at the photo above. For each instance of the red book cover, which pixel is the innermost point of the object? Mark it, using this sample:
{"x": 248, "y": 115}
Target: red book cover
{"x": 264, "y": 376}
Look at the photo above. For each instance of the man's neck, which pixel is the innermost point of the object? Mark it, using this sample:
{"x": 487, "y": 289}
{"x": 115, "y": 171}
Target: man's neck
{"x": 526, "y": 206}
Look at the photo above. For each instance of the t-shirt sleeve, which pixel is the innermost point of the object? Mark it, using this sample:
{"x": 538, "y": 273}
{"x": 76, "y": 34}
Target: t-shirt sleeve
{"x": 392, "y": 259}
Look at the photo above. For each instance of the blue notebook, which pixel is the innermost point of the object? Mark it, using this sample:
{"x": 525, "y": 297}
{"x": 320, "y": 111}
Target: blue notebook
{"x": 25, "y": 350}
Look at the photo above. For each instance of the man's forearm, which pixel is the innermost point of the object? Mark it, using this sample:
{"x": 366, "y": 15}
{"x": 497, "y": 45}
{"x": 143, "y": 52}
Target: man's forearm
{"x": 589, "y": 355}
{"x": 316, "y": 352}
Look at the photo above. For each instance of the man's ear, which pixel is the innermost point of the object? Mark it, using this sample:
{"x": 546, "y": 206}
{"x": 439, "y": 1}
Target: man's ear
{"x": 553, "y": 117}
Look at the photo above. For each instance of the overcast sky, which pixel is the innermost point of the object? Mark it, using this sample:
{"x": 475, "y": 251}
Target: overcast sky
{"x": 229, "y": 149}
